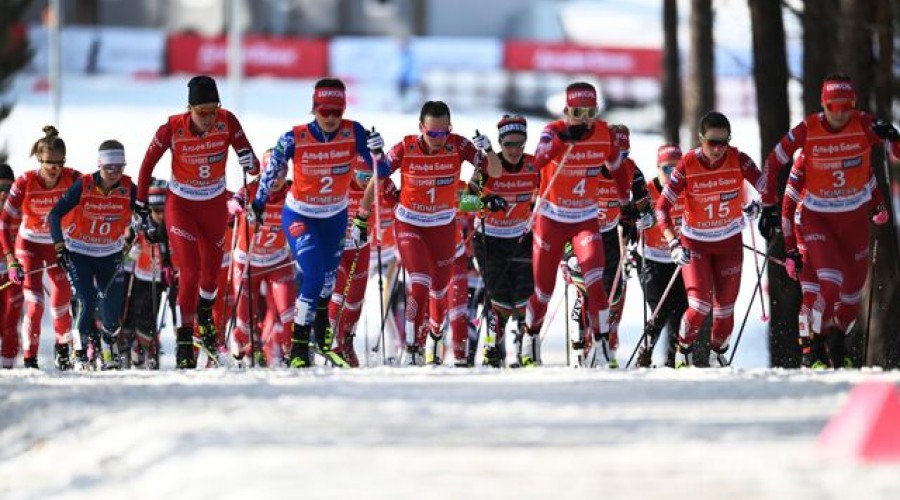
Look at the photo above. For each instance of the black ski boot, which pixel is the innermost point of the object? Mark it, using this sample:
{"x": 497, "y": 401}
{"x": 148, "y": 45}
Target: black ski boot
{"x": 184, "y": 350}
{"x": 63, "y": 360}
{"x": 300, "y": 357}
{"x": 207, "y": 328}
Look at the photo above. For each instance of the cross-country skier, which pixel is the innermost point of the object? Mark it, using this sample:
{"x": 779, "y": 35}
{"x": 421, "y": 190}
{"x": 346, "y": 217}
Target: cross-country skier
{"x": 11, "y": 296}
{"x": 195, "y": 210}
{"x": 315, "y": 211}
{"x": 710, "y": 249}
{"x": 425, "y": 224}
{"x": 96, "y": 211}
{"x": 569, "y": 157}
{"x": 502, "y": 240}
{"x": 30, "y": 199}
{"x": 840, "y": 194}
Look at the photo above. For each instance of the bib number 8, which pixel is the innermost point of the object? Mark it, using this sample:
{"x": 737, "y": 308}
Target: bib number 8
{"x": 204, "y": 171}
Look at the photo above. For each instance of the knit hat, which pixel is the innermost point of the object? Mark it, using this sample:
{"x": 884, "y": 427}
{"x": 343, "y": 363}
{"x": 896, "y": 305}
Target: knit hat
{"x": 156, "y": 196}
{"x": 202, "y": 90}
{"x": 6, "y": 172}
{"x": 511, "y": 124}
{"x": 668, "y": 153}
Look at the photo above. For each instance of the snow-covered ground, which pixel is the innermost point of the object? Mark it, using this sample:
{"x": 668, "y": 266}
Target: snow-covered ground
{"x": 747, "y": 432}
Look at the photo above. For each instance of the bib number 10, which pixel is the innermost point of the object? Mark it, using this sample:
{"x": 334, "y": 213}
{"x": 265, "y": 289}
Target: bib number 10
{"x": 101, "y": 228}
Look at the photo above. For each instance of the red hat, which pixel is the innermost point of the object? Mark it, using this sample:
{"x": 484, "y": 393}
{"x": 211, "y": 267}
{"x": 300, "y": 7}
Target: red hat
{"x": 839, "y": 89}
{"x": 581, "y": 95}
{"x": 668, "y": 153}
{"x": 156, "y": 195}
{"x": 329, "y": 98}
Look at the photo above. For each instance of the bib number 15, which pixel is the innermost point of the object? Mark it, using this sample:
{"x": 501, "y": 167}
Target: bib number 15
{"x": 722, "y": 212}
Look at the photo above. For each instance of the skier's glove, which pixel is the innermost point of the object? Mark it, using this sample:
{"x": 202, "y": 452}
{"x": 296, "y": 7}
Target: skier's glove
{"x": 680, "y": 255}
{"x": 793, "y": 263}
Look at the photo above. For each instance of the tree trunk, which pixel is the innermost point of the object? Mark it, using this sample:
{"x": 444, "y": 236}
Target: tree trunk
{"x": 855, "y": 56}
{"x": 770, "y": 74}
{"x": 819, "y": 27}
{"x": 671, "y": 87}
{"x": 701, "y": 95}
{"x": 883, "y": 347}
{"x": 14, "y": 49}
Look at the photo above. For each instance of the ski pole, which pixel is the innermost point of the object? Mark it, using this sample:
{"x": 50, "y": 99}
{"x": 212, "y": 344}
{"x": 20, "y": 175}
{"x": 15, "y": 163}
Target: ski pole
{"x": 762, "y": 303}
{"x": 656, "y": 311}
{"x": 542, "y": 196}
{"x": 774, "y": 260}
{"x": 248, "y": 269}
{"x": 752, "y": 298}
{"x": 29, "y": 273}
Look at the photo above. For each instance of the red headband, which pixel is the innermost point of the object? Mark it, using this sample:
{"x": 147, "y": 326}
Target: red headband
{"x": 329, "y": 97}
{"x": 667, "y": 154}
{"x": 581, "y": 98}
{"x": 834, "y": 90}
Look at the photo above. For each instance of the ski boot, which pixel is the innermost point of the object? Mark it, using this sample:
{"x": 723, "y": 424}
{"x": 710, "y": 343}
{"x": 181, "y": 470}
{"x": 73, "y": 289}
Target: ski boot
{"x": 684, "y": 356}
{"x": 30, "y": 362}
{"x": 598, "y": 354}
{"x": 185, "y": 358}
{"x": 530, "y": 348}
{"x": 207, "y": 328}
{"x": 346, "y": 351}
{"x": 717, "y": 358}
{"x": 435, "y": 349}
{"x": 806, "y": 354}
{"x": 300, "y": 357}
{"x": 63, "y": 360}
{"x": 415, "y": 356}
{"x": 82, "y": 363}
{"x": 324, "y": 335}
{"x": 109, "y": 351}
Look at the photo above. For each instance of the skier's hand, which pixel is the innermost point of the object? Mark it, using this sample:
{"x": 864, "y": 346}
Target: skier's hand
{"x": 494, "y": 202}
{"x": 752, "y": 210}
{"x": 886, "y": 130}
{"x": 793, "y": 263}
{"x": 645, "y": 221}
{"x": 255, "y": 215}
{"x": 881, "y": 215}
{"x": 375, "y": 143}
{"x": 629, "y": 230}
{"x": 680, "y": 255}
{"x": 235, "y": 207}
{"x": 16, "y": 274}
{"x": 359, "y": 232}
{"x": 245, "y": 160}
{"x": 152, "y": 231}
{"x": 482, "y": 141}
{"x": 770, "y": 221}
{"x": 63, "y": 257}
{"x": 169, "y": 276}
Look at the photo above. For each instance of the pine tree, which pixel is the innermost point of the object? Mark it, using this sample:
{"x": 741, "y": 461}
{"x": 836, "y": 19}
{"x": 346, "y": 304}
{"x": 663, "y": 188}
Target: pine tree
{"x": 15, "y": 51}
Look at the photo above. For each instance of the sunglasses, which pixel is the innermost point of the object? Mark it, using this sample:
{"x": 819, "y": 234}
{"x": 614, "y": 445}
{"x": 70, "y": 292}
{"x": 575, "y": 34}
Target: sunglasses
{"x": 838, "y": 107}
{"x": 205, "y": 112}
{"x": 716, "y": 142}
{"x": 54, "y": 162}
{"x": 112, "y": 168}
{"x": 330, "y": 112}
{"x": 4, "y": 188}
{"x": 583, "y": 112}
{"x": 513, "y": 144}
{"x": 436, "y": 134}
{"x": 667, "y": 169}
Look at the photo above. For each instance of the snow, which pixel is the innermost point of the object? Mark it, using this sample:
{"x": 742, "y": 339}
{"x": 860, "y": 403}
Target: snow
{"x": 745, "y": 432}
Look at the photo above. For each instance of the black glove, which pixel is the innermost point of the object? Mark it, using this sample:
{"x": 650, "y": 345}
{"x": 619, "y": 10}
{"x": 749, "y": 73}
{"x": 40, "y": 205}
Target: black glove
{"x": 153, "y": 232}
{"x": 886, "y": 130}
{"x": 573, "y": 133}
{"x": 793, "y": 263}
{"x": 770, "y": 221}
{"x": 64, "y": 258}
{"x": 630, "y": 212}
{"x": 255, "y": 214}
{"x": 629, "y": 231}
{"x": 494, "y": 202}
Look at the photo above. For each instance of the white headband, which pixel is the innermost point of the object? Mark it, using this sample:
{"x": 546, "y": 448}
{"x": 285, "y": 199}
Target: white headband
{"x": 112, "y": 157}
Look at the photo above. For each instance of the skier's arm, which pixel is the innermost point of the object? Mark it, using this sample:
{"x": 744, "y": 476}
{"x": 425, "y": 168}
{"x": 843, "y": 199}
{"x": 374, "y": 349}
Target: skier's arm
{"x": 158, "y": 146}
{"x": 795, "y": 185}
{"x": 282, "y": 151}
{"x": 12, "y": 211}
{"x": 780, "y": 156}
{"x": 66, "y": 203}
{"x": 667, "y": 200}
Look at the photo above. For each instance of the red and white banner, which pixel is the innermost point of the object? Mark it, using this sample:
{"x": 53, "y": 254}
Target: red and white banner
{"x": 263, "y": 56}
{"x": 571, "y": 58}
